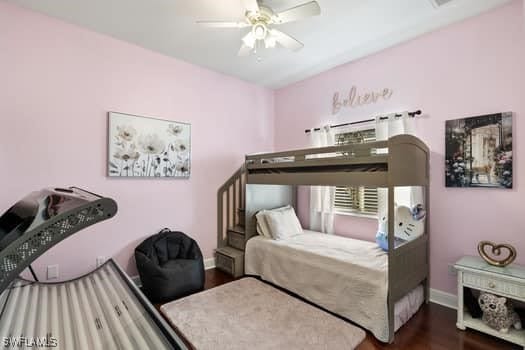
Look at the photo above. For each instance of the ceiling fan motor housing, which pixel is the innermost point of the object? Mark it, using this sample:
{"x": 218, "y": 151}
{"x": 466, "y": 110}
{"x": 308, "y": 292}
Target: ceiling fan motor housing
{"x": 260, "y": 21}
{"x": 264, "y": 15}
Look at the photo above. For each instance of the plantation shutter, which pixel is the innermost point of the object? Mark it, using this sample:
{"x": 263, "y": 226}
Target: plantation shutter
{"x": 361, "y": 199}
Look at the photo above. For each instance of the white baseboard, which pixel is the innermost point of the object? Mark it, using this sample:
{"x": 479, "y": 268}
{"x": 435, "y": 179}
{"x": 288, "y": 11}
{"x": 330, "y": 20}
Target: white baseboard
{"x": 208, "y": 264}
{"x": 443, "y": 298}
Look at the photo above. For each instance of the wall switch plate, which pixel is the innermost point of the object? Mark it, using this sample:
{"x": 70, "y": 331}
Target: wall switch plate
{"x": 52, "y": 272}
{"x": 451, "y": 270}
{"x": 101, "y": 260}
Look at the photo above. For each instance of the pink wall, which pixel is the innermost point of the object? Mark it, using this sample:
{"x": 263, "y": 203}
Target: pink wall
{"x": 57, "y": 84}
{"x": 472, "y": 68}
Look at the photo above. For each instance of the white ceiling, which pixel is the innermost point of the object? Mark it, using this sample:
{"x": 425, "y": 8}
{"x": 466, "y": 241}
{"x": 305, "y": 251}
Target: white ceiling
{"x": 345, "y": 31}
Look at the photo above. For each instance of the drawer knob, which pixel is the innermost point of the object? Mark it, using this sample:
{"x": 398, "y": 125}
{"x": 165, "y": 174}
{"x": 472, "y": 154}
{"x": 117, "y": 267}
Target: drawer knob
{"x": 492, "y": 285}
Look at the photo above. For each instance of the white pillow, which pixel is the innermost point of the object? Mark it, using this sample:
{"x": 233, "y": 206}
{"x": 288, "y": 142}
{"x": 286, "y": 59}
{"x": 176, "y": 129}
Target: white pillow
{"x": 283, "y": 223}
{"x": 262, "y": 224}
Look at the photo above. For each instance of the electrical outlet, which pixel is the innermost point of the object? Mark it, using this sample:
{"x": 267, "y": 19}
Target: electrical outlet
{"x": 101, "y": 260}
{"x": 52, "y": 272}
{"x": 451, "y": 270}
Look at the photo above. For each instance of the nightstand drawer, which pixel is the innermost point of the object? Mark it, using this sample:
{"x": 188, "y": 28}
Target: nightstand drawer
{"x": 494, "y": 284}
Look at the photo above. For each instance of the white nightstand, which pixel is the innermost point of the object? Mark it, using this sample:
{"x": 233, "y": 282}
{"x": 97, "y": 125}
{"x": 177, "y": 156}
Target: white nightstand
{"x": 475, "y": 273}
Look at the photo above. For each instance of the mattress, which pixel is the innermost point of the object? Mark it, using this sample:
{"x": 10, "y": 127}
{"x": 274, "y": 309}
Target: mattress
{"x": 343, "y": 275}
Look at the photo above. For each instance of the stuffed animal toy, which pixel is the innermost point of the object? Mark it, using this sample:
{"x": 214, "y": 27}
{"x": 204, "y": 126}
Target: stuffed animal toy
{"x": 418, "y": 212}
{"x": 497, "y": 313}
{"x": 382, "y": 241}
{"x": 406, "y": 226}
{"x": 409, "y": 224}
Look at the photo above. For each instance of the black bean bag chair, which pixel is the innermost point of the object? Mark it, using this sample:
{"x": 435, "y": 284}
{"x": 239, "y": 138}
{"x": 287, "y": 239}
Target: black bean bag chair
{"x": 170, "y": 266}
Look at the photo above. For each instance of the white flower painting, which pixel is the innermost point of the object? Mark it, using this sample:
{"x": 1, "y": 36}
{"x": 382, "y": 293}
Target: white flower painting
{"x": 148, "y": 147}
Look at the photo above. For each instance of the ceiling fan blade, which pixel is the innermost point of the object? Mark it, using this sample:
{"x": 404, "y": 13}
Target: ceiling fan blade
{"x": 223, "y": 24}
{"x": 244, "y": 50}
{"x": 296, "y": 13}
{"x": 286, "y": 41}
{"x": 251, "y": 5}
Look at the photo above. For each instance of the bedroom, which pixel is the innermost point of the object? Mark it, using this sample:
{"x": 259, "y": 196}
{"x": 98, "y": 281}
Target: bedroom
{"x": 65, "y": 65}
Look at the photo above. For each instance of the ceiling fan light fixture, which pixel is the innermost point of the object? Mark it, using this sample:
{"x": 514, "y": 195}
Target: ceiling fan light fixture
{"x": 259, "y": 31}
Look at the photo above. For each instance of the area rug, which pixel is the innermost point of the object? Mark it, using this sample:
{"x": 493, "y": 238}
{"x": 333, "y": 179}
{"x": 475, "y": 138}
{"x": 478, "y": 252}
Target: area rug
{"x": 250, "y": 314}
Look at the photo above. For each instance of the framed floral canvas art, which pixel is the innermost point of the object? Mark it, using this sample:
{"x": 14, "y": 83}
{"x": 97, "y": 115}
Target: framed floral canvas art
{"x": 148, "y": 147}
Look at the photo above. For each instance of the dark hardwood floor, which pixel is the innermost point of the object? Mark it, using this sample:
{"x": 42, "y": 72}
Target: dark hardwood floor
{"x": 433, "y": 327}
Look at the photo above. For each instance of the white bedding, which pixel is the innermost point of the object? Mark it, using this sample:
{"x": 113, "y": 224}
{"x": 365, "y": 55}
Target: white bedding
{"x": 343, "y": 275}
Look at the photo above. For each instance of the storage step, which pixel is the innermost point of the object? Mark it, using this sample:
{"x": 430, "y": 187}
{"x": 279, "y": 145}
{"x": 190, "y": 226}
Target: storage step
{"x": 230, "y": 260}
{"x": 236, "y": 239}
{"x": 237, "y": 229}
{"x": 229, "y": 251}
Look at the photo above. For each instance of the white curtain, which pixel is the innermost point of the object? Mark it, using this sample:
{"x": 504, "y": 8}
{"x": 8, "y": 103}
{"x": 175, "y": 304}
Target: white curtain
{"x": 386, "y": 128}
{"x": 322, "y": 197}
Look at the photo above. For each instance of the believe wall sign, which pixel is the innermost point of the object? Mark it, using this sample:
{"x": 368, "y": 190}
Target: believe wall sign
{"x": 353, "y": 99}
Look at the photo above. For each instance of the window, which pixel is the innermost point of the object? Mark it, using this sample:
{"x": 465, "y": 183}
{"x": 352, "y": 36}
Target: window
{"x": 356, "y": 200}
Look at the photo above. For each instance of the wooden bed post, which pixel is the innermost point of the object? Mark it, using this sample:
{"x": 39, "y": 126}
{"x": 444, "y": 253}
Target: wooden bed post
{"x": 391, "y": 247}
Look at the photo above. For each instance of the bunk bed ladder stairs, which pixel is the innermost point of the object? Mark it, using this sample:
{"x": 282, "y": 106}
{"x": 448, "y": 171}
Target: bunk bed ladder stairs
{"x": 231, "y": 237}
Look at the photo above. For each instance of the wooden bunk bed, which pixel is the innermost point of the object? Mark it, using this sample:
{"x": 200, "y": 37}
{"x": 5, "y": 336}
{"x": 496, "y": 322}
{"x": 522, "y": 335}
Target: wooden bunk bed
{"x": 403, "y": 160}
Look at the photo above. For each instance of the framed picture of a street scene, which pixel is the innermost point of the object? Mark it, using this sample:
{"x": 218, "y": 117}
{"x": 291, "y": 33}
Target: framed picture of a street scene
{"x": 479, "y": 151}
{"x": 148, "y": 147}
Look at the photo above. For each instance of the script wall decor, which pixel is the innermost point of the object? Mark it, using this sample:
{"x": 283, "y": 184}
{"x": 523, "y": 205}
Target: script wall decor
{"x": 355, "y": 99}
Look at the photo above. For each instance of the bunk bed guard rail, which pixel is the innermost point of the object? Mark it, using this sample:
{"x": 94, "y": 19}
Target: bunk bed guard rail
{"x": 376, "y": 164}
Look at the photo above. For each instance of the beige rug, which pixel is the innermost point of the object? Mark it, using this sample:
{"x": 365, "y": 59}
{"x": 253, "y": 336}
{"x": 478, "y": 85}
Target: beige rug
{"x": 249, "y": 314}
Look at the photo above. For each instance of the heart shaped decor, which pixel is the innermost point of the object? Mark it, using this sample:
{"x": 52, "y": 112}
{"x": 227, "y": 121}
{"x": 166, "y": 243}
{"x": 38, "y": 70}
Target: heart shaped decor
{"x": 491, "y": 255}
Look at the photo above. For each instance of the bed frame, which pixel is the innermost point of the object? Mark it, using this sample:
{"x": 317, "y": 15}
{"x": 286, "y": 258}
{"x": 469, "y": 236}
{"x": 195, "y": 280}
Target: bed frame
{"x": 402, "y": 160}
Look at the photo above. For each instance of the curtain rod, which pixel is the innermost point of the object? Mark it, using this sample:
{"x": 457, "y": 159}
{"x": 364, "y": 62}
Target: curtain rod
{"x": 410, "y": 114}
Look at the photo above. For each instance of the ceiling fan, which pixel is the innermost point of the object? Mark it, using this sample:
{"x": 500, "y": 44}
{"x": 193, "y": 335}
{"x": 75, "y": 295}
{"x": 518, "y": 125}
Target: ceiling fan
{"x": 261, "y": 18}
